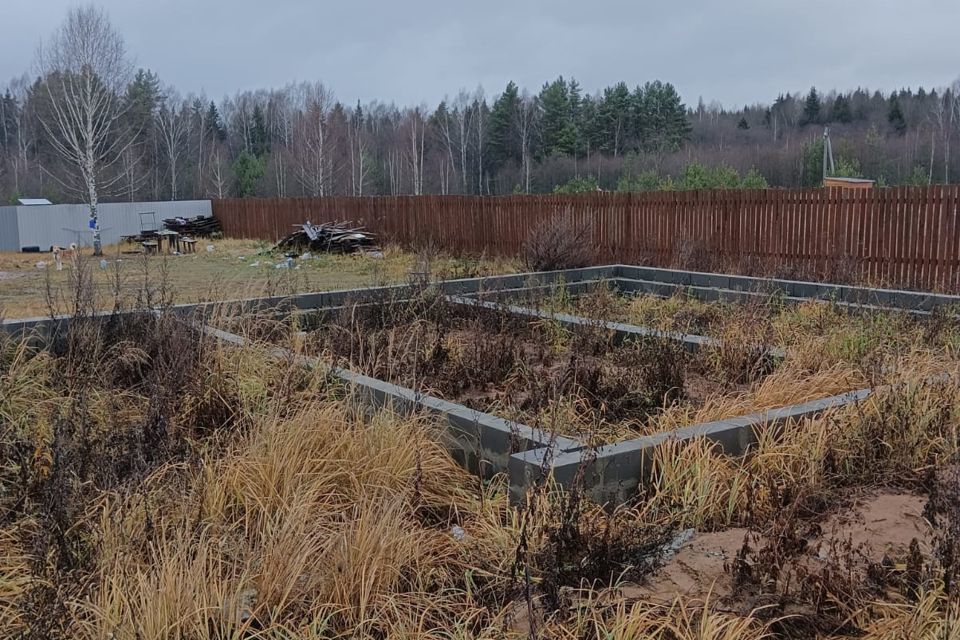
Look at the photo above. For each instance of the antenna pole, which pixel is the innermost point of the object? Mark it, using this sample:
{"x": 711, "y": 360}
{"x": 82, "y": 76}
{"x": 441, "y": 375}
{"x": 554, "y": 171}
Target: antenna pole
{"x": 827, "y": 154}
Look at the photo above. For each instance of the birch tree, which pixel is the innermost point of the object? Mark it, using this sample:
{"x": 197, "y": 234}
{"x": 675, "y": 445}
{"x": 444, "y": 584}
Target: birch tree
{"x": 446, "y": 127}
{"x": 526, "y": 116}
{"x": 9, "y": 111}
{"x": 133, "y": 175}
{"x": 416, "y": 137}
{"x": 480, "y": 105}
{"x": 198, "y": 120}
{"x": 359, "y": 168}
{"x": 311, "y": 143}
{"x": 219, "y": 178}
{"x": 280, "y": 116}
{"x": 172, "y": 122}
{"x": 953, "y": 120}
{"x": 25, "y": 135}
{"x": 85, "y": 71}
{"x": 462, "y": 115}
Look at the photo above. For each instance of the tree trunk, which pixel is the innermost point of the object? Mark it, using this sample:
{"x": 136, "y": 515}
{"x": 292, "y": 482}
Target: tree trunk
{"x": 94, "y": 220}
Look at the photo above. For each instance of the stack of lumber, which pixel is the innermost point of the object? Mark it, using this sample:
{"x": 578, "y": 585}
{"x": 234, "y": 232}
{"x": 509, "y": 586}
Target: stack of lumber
{"x": 198, "y": 227}
{"x": 333, "y": 237}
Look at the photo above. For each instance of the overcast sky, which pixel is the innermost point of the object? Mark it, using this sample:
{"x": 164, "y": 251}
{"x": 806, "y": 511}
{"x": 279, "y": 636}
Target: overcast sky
{"x": 413, "y": 51}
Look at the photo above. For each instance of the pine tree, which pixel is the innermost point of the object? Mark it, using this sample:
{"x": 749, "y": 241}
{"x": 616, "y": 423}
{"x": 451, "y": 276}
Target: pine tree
{"x": 590, "y": 138}
{"x": 661, "y": 117}
{"x": 576, "y": 106}
{"x": 895, "y": 116}
{"x": 502, "y": 142}
{"x": 215, "y": 128}
{"x": 743, "y": 124}
{"x": 612, "y": 130}
{"x": 259, "y": 136}
{"x": 811, "y": 108}
{"x": 557, "y": 128}
{"x": 247, "y": 171}
{"x": 142, "y": 99}
{"x": 9, "y": 114}
{"x": 841, "y": 110}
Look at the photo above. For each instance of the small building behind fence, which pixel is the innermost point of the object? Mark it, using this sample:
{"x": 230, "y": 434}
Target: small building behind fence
{"x": 848, "y": 183}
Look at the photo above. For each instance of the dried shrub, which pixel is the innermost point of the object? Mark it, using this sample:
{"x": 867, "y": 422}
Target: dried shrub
{"x": 586, "y": 547}
{"x": 943, "y": 511}
{"x": 561, "y": 242}
{"x": 778, "y": 571}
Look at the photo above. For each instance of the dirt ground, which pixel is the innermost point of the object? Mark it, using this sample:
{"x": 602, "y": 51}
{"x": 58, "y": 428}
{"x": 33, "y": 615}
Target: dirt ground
{"x": 232, "y": 269}
{"x": 880, "y": 526}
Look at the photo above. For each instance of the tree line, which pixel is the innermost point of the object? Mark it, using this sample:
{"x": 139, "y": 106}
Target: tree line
{"x": 150, "y": 142}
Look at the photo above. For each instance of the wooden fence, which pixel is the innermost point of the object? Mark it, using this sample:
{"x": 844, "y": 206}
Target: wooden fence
{"x": 908, "y": 236}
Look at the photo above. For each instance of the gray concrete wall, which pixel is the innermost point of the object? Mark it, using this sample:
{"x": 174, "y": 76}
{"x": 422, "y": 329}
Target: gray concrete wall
{"x": 482, "y": 442}
{"x": 61, "y": 224}
{"x": 489, "y": 444}
{"x": 720, "y": 286}
{"x": 612, "y": 473}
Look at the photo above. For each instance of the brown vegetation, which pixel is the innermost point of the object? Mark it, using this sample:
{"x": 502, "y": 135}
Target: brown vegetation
{"x": 156, "y": 484}
{"x": 561, "y": 242}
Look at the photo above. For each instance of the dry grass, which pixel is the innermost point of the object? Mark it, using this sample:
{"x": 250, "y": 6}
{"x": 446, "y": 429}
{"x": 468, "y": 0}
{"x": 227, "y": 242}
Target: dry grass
{"x": 158, "y": 485}
{"x": 316, "y": 521}
{"x": 893, "y": 437}
{"x": 227, "y": 273}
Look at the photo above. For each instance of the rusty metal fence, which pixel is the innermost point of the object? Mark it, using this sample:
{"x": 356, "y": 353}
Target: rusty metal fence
{"x": 908, "y": 236}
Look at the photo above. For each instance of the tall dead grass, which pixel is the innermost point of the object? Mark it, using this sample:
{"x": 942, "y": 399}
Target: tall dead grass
{"x": 156, "y": 484}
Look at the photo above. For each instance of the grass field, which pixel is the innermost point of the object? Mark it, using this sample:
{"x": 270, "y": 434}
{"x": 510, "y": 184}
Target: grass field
{"x": 234, "y": 269}
{"x": 156, "y": 484}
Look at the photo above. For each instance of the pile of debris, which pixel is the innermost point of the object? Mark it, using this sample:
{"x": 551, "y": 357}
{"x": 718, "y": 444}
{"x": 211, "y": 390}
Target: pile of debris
{"x": 332, "y": 237}
{"x": 199, "y": 227}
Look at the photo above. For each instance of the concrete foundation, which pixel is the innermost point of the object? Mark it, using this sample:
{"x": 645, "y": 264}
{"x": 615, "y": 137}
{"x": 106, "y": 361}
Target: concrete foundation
{"x": 488, "y": 444}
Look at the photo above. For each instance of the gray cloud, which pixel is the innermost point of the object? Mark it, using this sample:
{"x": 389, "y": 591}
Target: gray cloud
{"x": 740, "y": 51}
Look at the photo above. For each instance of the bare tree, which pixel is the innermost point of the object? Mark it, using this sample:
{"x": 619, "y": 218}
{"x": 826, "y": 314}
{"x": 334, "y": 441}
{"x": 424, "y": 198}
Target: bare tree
{"x": 526, "y": 121}
{"x": 358, "y": 151}
{"x": 444, "y": 172}
{"x": 199, "y": 119}
{"x": 131, "y": 161}
{"x": 480, "y": 103}
{"x": 172, "y": 122}
{"x": 237, "y": 114}
{"x": 395, "y": 160}
{"x": 218, "y": 171}
{"x": 954, "y": 119}
{"x": 446, "y": 129}
{"x": 85, "y": 71}
{"x": 8, "y": 116}
{"x": 462, "y": 114}
{"x": 416, "y": 132}
{"x": 24, "y": 134}
{"x": 280, "y": 115}
{"x": 951, "y": 105}
{"x": 311, "y": 141}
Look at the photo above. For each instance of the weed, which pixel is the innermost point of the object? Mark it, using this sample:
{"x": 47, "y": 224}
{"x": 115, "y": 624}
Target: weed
{"x": 560, "y": 242}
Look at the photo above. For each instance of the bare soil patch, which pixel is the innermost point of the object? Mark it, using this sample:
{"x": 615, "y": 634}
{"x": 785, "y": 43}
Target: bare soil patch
{"x": 878, "y": 528}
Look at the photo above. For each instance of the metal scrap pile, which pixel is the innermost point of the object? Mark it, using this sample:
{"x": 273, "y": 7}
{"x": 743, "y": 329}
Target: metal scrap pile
{"x": 199, "y": 227}
{"x": 331, "y": 237}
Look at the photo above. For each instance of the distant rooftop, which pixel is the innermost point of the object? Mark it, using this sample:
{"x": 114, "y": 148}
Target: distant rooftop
{"x": 847, "y": 183}
{"x": 843, "y": 179}
{"x": 33, "y": 202}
